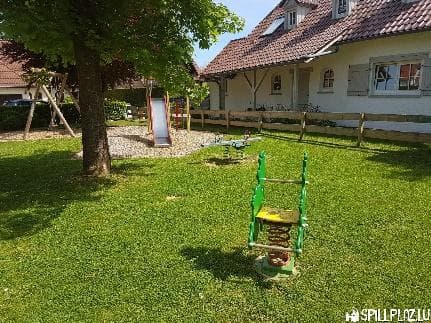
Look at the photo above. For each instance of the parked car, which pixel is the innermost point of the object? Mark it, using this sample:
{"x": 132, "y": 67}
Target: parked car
{"x": 22, "y": 102}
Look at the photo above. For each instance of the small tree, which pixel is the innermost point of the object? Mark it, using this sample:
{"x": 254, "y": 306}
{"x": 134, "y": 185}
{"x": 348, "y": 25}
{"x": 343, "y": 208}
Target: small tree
{"x": 155, "y": 36}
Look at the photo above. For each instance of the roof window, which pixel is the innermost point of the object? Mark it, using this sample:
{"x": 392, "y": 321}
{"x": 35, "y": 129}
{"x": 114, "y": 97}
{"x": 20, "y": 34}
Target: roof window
{"x": 274, "y": 26}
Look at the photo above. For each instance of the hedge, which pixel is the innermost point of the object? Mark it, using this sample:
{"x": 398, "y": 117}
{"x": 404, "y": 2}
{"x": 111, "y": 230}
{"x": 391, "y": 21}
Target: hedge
{"x": 15, "y": 117}
{"x": 135, "y": 97}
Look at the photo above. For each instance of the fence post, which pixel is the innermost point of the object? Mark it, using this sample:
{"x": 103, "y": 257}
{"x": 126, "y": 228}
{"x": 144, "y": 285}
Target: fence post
{"x": 202, "y": 118}
{"x": 260, "y": 121}
{"x": 303, "y": 125}
{"x": 227, "y": 113}
{"x": 361, "y": 129}
{"x": 188, "y": 114}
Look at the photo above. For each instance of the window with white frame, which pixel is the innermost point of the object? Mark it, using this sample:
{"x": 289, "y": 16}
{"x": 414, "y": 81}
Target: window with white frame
{"x": 328, "y": 78}
{"x": 341, "y": 7}
{"x": 276, "y": 84}
{"x": 397, "y": 78}
{"x": 291, "y": 19}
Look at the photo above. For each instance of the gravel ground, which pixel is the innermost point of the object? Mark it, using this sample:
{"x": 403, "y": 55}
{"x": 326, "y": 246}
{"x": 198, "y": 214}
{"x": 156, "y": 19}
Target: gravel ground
{"x": 129, "y": 142}
{"x": 37, "y": 134}
{"x": 134, "y": 142}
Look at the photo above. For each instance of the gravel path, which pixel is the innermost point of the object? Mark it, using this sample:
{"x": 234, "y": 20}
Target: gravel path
{"x": 129, "y": 142}
{"x": 133, "y": 142}
{"x": 37, "y": 134}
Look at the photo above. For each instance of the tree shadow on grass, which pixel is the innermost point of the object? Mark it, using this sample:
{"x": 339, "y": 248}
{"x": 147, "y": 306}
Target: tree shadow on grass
{"x": 413, "y": 163}
{"x": 225, "y": 265}
{"x": 36, "y": 189}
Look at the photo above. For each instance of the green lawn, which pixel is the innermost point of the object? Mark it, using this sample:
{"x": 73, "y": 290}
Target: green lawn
{"x": 164, "y": 239}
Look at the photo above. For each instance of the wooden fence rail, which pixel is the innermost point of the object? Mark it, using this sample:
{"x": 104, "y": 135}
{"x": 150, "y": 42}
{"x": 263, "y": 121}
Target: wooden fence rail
{"x": 300, "y": 122}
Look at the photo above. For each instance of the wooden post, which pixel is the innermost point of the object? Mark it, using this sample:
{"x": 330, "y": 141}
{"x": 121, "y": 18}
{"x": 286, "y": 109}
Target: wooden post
{"x": 202, "y": 118}
{"x": 31, "y": 113}
{"x": 260, "y": 121}
{"x": 256, "y": 85}
{"x": 303, "y": 125}
{"x": 227, "y": 117}
{"x": 188, "y": 114}
{"x": 295, "y": 86}
{"x": 75, "y": 102}
{"x": 57, "y": 110}
{"x": 148, "y": 92}
{"x": 361, "y": 130}
{"x": 222, "y": 93}
{"x": 254, "y": 90}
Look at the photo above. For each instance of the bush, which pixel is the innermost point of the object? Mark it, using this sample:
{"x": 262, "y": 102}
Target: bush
{"x": 135, "y": 97}
{"x": 115, "y": 110}
{"x": 15, "y": 117}
{"x": 70, "y": 113}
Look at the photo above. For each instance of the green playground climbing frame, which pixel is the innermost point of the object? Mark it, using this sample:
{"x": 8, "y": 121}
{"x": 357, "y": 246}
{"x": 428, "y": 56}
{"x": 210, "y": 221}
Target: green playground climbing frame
{"x": 281, "y": 251}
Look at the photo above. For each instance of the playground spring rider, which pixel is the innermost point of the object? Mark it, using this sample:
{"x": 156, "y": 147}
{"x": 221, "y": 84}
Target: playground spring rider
{"x": 281, "y": 251}
{"x": 239, "y": 145}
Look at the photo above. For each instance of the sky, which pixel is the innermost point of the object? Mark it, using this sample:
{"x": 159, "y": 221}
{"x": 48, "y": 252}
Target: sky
{"x": 253, "y": 11}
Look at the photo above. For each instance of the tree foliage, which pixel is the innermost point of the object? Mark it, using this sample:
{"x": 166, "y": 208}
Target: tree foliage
{"x": 154, "y": 37}
{"x": 151, "y": 37}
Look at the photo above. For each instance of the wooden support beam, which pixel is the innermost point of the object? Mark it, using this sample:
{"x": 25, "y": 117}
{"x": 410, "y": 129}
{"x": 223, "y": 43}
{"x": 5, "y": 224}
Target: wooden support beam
{"x": 31, "y": 113}
{"x": 248, "y": 81}
{"x": 58, "y": 111}
{"x": 295, "y": 86}
{"x": 254, "y": 90}
{"x": 262, "y": 79}
{"x": 75, "y": 102}
{"x": 227, "y": 117}
{"x": 255, "y": 86}
{"x": 222, "y": 93}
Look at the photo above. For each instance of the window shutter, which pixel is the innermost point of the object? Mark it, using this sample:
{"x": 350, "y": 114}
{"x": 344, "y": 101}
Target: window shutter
{"x": 358, "y": 80}
{"x": 426, "y": 77}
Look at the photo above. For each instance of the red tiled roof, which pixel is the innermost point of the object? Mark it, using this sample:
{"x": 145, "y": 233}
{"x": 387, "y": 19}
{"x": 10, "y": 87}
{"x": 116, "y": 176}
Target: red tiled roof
{"x": 370, "y": 19}
{"x": 308, "y": 2}
{"x": 373, "y": 19}
{"x": 10, "y": 72}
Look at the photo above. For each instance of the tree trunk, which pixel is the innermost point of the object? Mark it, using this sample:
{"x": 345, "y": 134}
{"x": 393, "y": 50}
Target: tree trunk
{"x": 96, "y": 158}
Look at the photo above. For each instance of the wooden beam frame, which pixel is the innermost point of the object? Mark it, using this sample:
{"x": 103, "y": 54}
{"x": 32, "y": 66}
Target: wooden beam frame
{"x": 255, "y": 86}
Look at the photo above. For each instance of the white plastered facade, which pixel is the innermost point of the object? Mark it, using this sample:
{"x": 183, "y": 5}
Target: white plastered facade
{"x": 240, "y": 98}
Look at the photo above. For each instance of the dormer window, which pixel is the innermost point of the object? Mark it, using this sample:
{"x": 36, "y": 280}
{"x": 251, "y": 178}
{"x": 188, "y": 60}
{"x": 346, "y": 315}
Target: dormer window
{"x": 342, "y": 7}
{"x": 291, "y": 19}
{"x": 296, "y": 11}
{"x": 274, "y": 26}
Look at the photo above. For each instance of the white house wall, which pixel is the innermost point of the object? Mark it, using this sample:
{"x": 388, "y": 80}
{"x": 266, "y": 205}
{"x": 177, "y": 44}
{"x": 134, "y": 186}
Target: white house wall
{"x": 360, "y": 53}
{"x": 24, "y": 92}
{"x": 239, "y": 96}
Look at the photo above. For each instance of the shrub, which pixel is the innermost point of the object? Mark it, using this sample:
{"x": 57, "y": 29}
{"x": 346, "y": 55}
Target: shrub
{"x": 15, "y": 117}
{"x": 70, "y": 113}
{"x": 115, "y": 110}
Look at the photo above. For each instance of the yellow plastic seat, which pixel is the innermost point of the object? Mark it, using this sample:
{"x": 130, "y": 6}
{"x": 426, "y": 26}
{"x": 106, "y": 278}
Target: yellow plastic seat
{"x": 272, "y": 215}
